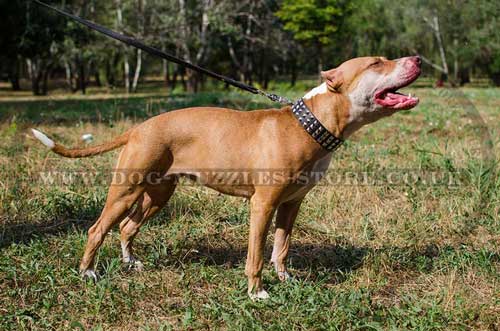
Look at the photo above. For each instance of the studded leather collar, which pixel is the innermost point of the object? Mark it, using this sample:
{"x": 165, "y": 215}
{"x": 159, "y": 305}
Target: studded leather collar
{"x": 314, "y": 127}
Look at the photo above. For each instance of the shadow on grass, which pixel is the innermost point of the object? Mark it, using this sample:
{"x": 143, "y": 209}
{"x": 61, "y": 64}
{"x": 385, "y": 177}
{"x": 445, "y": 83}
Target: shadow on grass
{"x": 23, "y": 233}
{"x": 308, "y": 258}
{"x": 333, "y": 263}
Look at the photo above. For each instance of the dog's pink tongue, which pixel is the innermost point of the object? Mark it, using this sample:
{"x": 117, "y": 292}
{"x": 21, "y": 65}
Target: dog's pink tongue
{"x": 398, "y": 101}
{"x": 394, "y": 98}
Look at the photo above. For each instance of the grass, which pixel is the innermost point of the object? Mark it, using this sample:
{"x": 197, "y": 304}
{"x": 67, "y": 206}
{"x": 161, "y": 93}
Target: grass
{"x": 365, "y": 257}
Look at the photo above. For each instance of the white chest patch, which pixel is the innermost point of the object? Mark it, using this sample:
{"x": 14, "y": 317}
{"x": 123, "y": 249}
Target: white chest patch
{"x": 317, "y": 90}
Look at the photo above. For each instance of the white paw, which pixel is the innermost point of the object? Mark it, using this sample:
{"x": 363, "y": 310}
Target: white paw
{"x": 89, "y": 274}
{"x": 259, "y": 295}
{"x": 135, "y": 265}
{"x": 284, "y": 276}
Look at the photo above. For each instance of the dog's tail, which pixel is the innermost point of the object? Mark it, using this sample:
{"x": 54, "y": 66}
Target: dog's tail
{"x": 81, "y": 152}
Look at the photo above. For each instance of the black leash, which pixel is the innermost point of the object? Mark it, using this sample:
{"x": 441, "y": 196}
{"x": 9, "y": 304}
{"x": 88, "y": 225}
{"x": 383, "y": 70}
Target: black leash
{"x": 154, "y": 51}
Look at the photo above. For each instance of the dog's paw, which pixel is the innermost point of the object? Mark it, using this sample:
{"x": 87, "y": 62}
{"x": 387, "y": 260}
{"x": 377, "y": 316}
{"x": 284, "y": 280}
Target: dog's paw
{"x": 284, "y": 276}
{"x": 89, "y": 274}
{"x": 259, "y": 295}
{"x": 135, "y": 265}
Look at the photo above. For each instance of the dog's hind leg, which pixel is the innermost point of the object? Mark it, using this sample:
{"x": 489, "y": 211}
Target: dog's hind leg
{"x": 129, "y": 184}
{"x": 152, "y": 201}
{"x": 287, "y": 213}
{"x": 120, "y": 199}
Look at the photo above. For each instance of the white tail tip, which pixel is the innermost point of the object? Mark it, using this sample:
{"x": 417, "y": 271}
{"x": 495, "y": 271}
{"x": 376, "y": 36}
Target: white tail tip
{"x": 43, "y": 139}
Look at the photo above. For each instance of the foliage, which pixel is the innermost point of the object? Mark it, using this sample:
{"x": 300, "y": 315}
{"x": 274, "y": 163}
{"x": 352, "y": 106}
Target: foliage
{"x": 252, "y": 40}
{"x": 313, "y": 21}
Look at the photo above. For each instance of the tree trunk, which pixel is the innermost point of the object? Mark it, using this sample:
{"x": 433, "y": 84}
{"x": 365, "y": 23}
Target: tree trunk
{"x": 35, "y": 73}
{"x": 89, "y": 72}
{"x": 183, "y": 80}
{"x": 97, "y": 74}
{"x": 293, "y": 69}
{"x": 126, "y": 65}
{"x": 126, "y": 72}
{"x": 174, "y": 78}
{"x": 266, "y": 78}
{"x": 69, "y": 74}
{"x": 111, "y": 65}
{"x": 183, "y": 29}
{"x": 138, "y": 68}
{"x": 495, "y": 77}
{"x": 185, "y": 32}
{"x": 80, "y": 66}
{"x": 248, "y": 46}
{"x": 83, "y": 83}
{"x": 110, "y": 78}
{"x": 97, "y": 77}
{"x": 40, "y": 71}
{"x": 442, "y": 52}
{"x": 261, "y": 68}
{"x": 30, "y": 68}
{"x": 14, "y": 75}
{"x": 166, "y": 73}
{"x": 202, "y": 82}
{"x": 45, "y": 82}
{"x": 192, "y": 81}
{"x": 464, "y": 76}
{"x": 141, "y": 21}
{"x": 237, "y": 63}
{"x": 434, "y": 25}
{"x": 35, "y": 84}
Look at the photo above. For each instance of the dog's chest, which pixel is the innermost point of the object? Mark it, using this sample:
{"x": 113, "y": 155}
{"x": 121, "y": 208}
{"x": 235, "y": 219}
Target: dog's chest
{"x": 310, "y": 177}
{"x": 321, "y": 166}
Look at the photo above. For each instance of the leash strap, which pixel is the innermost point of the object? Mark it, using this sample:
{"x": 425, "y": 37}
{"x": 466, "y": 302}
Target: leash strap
{"x": 156, "y": 52}
{"x": 313, "y": 126}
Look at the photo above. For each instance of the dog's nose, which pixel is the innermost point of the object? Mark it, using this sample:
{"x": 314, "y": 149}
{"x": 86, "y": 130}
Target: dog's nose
{"x": 418, "y": 60}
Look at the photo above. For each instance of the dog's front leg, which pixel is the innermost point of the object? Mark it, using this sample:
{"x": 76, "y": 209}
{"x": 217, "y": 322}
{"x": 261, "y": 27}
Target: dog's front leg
{"x": 261, "y": 214}
{"x": 287, "y": 213}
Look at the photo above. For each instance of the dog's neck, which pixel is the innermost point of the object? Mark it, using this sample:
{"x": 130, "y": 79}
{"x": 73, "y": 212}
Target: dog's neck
{"x": 331, "y": 109}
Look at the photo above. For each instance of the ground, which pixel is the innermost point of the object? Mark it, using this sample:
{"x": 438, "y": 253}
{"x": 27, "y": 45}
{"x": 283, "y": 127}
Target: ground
{"x": 397, "y": 255}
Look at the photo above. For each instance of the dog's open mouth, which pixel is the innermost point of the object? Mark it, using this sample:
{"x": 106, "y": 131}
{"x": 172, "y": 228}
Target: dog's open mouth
{"x": 391, "y": 98}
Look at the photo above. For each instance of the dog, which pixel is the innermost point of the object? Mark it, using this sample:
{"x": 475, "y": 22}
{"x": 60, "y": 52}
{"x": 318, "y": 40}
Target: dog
{"x": 193, "y": 141}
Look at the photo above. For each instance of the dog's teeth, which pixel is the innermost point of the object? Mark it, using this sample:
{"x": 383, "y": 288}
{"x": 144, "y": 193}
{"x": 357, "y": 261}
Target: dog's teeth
{"x": 410, "y": 96}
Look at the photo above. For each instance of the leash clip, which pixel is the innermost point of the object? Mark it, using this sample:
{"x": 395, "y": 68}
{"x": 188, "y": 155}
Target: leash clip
{"x": 276, "y": 98}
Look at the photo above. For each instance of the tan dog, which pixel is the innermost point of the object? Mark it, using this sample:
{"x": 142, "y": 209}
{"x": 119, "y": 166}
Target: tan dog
{"x": 191, "y": 141}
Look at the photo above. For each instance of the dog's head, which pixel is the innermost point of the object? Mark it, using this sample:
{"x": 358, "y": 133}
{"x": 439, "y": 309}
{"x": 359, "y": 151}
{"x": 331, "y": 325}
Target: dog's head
{"x": 370, "y": 84}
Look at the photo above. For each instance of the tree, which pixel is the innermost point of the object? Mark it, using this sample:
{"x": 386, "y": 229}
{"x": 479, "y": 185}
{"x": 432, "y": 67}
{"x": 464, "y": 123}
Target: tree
{"x": 9, "y": 41}
{"x": 314, "y": 22}
{"x": 451, "y": 36}
{"x": 252, "y": 40}
{"x": 33, "y": 39}
{"x": 194, "y": 24}
{"x": 255, "y": 40}
{"x": 484, "y": 37}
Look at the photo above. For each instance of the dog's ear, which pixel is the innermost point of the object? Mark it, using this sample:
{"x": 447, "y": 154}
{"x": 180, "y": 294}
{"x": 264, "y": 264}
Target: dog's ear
{"x": 333, "y": 78}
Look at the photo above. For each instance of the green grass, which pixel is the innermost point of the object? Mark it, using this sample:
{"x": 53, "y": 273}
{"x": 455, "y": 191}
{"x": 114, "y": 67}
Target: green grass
{"x": 385, "y": 257}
